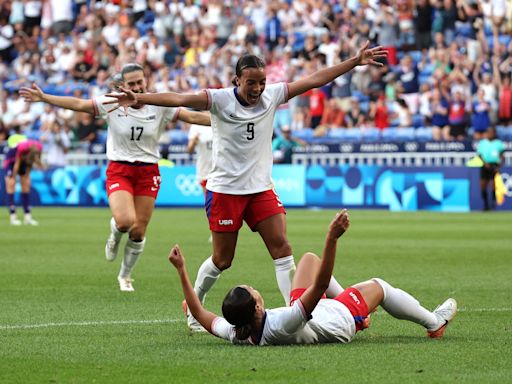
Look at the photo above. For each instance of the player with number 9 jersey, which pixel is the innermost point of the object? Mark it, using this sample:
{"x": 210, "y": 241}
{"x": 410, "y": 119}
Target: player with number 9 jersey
{"x": 239, "y": 187}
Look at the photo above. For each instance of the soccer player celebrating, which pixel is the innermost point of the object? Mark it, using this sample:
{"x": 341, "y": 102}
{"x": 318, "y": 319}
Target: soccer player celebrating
{"x": 133, "y": 177}
{"x": 18, "y": 162}
{"x": 239, "y": 185}
{"x": 311, "y": 317}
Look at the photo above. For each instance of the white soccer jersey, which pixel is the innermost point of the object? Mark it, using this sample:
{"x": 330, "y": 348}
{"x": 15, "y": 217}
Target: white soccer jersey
{"x": 242, "y": 140}
{"x": 134, "y": 136}
{"x": 203, "y": 149}
{"x": 331, "y": 322}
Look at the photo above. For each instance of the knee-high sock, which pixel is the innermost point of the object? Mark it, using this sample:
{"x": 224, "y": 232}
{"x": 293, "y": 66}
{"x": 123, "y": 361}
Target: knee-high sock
{"x": 10, "y": 203}
{"x": 116, "y": 232}
{"x": 403, "y": 306}
{"x": 285, "y": 269}
{"x": 132, "y": 251}
{"x": 207, "y": 275}
{"x": 334, "y": 289}
{"x": 25, "y": 201}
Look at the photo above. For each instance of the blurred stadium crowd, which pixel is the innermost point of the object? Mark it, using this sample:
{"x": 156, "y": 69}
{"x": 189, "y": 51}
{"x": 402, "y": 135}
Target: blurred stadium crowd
{"x": 447, "y": 76}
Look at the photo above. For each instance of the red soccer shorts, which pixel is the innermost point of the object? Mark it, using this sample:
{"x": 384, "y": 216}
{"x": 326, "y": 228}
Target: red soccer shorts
{"x": 350, "y": 298}
{"x": 139, "y": 179}
{"x": 353, "y": 300}
{"x": 296, "y": 293}
{"x": 226, "y": 213}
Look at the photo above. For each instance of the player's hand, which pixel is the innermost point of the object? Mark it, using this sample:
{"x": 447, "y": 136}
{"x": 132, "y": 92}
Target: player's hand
{"x": 339, "y": 225}
{"x": 125, "y": 99}
{"x": 367, "y": 56}
{"x": 32, "y": 94}
{"x": 176, "y": 257}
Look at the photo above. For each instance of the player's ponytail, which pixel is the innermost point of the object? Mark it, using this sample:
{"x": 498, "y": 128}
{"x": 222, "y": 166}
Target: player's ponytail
{"x": 239, "y": 308}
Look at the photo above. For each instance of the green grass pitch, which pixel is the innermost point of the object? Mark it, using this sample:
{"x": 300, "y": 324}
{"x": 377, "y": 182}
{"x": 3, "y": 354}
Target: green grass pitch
{"x": 63, "y": 319}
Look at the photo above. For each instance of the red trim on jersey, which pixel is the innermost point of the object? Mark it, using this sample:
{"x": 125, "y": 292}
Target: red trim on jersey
{"x": 95, "y": 107}
{"x": 176, "y": 115}
{"x": 208, "y": 99}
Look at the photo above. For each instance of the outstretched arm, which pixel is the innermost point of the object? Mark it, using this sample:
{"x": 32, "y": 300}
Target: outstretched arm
{"x": 192, "y": 117}
{"x": 165, "y": 99}
{"x": 364, "y": 56}
{"x": 313, "y": 294}
{"x": 35, "y": 94}
{"x": 204, "y": 317}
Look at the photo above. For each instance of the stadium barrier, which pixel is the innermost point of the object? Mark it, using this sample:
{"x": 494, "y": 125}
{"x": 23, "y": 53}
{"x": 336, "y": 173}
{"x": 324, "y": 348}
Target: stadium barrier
{"x": 447, "y": 189}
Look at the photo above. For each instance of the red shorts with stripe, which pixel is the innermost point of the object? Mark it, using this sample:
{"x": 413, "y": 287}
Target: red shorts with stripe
{"x": 139, "y": 179}
{"x": 350, "y": 298}
{"x": 226, "y": 213}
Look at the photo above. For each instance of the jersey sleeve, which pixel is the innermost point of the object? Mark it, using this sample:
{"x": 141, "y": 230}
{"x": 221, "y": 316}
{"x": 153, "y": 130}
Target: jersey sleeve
{"x": 214, "y": 99}
{"x": 170, "y": 113}
{"x": 293, "y": 318}
{"x": 193, "y": 131}
{"x": 101, "y": 109}
{"x": 279, "y": 93}
{"x": 222, "y": 329}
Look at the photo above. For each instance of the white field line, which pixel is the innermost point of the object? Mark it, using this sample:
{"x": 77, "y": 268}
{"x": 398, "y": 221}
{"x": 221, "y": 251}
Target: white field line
{"x": 89, "y": 323}
{"x": 168, "y": 321}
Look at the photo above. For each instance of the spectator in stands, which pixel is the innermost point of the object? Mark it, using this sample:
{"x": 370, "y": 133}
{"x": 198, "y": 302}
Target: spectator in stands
{"x": 333, "y": 117}
{"x": 401, "y": 114}
{"x": 423, "y": 22}
{"x": 480, "y": 115}
{"x": 317, "y": 102}
{"x": 502, "y": 81}
{"x": 386, "y": 26}
{"x": 355, "y": 118}
{"x": 58, "y": 142}
{"x": 491, "y": 151}
{"x": 408, "y": 77}
{"x": 379, "y": 113}
{"x": 86, "y": 130}
{"x": 282, "y": 146}
{"x": 457, "y": 117}
{"x": 439, "y": 116}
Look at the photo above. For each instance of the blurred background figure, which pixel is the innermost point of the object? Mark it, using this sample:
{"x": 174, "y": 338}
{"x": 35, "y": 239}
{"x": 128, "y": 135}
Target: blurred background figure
{"x": 19, "y": 162}
{"x": 490, "y": 151}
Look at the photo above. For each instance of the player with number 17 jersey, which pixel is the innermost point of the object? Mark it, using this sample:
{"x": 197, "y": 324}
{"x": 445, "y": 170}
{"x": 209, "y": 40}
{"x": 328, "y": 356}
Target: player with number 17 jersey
{"x": 133, "y": 135}
{"x": 242, "y": 140}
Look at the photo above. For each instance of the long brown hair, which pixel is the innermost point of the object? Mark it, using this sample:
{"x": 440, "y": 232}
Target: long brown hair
{"x": 239, "y": 308}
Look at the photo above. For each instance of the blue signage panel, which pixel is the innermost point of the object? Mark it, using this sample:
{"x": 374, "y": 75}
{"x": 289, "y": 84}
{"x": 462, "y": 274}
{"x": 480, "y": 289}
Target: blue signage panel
{"x": 447, "y": 189}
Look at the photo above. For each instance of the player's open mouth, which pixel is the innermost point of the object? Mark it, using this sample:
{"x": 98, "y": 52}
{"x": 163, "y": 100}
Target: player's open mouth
{"x": 251, "y": 98}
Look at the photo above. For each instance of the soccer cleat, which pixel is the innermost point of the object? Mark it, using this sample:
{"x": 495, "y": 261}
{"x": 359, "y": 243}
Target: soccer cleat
{"x": 125, "y": 284}
{"x": 15, "y": 221}
{"x": 111, "y": 248}
{"x": 30, "y": 221}
{"x": 445, "y": 313}
{"x": 193, "y": 325}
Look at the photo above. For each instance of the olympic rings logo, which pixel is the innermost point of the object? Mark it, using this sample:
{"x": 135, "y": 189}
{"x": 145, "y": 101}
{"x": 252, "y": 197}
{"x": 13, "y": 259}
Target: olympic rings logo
{"x": 507, "y": 180}
{"x": 188, "y": 185}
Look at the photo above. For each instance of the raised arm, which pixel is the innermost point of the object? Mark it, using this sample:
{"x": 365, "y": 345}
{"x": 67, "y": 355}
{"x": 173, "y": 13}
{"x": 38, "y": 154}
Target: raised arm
{"x": 165, "y": 99}
{"x": 195, "y": 307}
{"x": 363, "y": 57}
{"x": 192, "y": 117}
{"x": 35, "y": 94}
{"x": 313, "y": 294}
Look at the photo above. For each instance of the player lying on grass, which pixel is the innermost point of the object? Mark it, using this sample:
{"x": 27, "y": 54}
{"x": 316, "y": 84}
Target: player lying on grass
{"x": 311, "y": 317}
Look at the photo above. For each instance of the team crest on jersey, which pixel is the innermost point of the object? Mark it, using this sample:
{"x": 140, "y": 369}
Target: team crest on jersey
{"x": 152, "y": 117}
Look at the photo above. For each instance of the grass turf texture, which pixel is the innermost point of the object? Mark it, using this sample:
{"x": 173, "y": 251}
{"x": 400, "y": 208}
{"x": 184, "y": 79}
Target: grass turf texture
{"x": 80, "y": 329}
